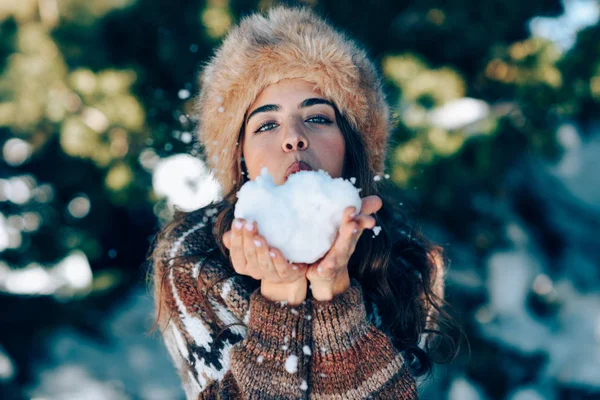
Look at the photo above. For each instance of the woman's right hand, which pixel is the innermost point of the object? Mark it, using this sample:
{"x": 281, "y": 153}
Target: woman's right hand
{"x": 250, "y": 255}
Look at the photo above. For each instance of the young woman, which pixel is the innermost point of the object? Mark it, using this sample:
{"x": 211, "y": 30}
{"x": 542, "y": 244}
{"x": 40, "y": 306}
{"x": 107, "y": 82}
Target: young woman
{"x": 288, "y": 92}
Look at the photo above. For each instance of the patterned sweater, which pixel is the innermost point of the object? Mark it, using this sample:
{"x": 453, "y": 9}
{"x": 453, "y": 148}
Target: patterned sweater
{"x": 316, "y": 350}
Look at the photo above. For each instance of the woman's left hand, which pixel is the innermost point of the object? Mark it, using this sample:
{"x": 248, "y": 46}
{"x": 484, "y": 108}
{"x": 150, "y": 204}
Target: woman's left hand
{"x": 329, "y": 275}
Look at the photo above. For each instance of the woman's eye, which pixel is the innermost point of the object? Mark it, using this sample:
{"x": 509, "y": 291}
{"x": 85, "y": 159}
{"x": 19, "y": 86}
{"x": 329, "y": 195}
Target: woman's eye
{"x": 318, "y": 119}
{"x": 266, "y": 127}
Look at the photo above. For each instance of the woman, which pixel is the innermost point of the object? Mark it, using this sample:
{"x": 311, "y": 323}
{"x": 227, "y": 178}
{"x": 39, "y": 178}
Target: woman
{"x": 288, "y": 92}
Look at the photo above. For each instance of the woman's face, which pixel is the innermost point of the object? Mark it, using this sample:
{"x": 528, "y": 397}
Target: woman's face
{"x": 289, "y": 123}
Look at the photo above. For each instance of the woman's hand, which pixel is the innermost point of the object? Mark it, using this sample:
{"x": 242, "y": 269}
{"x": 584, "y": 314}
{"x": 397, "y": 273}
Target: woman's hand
{"x": 250, "y": 255}
{"x": 329, "y": 275}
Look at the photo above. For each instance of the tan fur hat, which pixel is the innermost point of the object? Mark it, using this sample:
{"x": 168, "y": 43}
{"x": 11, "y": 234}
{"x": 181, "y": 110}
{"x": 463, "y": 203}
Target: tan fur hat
{"x": 287, "y": 43}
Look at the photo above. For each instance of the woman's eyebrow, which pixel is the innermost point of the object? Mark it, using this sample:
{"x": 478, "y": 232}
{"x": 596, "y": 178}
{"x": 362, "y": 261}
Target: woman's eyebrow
{"x": 275, "y": 107}
{"x": 314, "y": 101}
{"x": 265, "y": 108}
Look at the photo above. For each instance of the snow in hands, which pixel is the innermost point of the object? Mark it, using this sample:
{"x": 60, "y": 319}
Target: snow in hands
{"x": 301, "y": 218}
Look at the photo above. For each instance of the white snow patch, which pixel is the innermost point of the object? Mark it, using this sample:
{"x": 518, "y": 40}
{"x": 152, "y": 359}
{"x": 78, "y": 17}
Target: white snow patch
{"x": 291, "y": 364}
{"x": 306, "y": 350}
{"x": 185, "y": 181}
{"x": 463, "y": 389}
{"x": 459, "y": 113}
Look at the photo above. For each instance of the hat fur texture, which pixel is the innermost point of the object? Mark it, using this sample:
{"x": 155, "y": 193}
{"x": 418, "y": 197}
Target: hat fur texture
{"x": 286, "y": 43}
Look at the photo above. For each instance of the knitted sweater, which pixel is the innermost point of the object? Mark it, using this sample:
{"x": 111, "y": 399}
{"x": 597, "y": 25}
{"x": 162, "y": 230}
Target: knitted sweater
{"x": 316, "y": 350}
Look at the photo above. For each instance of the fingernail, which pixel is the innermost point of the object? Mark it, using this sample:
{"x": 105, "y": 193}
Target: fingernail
{"x": 257, "y": 243}
{"x": 272, "y": 254}
{"x": 353, "y": 215}
{"x": 294, "y": 267}
{"x": 238, "y": 224}
{"x": 249, "y": 226}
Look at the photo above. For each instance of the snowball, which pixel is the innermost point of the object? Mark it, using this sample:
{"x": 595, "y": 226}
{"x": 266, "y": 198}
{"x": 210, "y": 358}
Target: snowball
{"x": 376, "y": 230}
{"x": 260, "y": 359}
{"x": 301, "y": 218}
{"x": 304, "y": 385}
{"x": 291, "y": 364}
{"x": 306, "y": 350}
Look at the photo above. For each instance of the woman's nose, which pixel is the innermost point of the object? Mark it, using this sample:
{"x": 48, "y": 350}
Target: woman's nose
{"x": 295, "y": 140}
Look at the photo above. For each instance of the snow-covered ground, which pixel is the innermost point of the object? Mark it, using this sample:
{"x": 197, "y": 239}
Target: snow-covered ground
{"x": 128, "y": 364}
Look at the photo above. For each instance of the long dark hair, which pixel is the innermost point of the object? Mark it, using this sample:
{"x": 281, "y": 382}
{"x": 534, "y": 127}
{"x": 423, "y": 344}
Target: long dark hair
{"x": 399, "y": 271}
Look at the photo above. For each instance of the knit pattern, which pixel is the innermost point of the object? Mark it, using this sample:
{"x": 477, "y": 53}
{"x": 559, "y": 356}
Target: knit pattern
{"x": 316, "y": 350}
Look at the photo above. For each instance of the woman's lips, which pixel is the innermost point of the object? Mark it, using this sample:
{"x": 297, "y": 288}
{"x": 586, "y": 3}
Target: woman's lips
{"x": 297, "y": 167}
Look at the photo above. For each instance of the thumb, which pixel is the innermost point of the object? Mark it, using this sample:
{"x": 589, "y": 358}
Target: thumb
{"x": 371, "y": 204}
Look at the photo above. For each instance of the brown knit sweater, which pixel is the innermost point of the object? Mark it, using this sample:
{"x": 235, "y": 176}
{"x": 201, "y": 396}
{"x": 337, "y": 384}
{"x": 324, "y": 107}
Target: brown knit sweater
{"x": 317, "y": 350}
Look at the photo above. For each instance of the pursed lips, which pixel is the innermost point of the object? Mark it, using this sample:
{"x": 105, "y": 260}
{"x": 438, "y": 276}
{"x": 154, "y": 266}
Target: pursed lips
{"x": 297, "y": 167}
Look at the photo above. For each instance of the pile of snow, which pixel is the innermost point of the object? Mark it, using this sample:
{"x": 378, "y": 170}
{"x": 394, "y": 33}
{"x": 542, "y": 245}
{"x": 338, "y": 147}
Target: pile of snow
{"x": 185, "y": 181}
{"x": 72, "y": 276}
{"x": 7, "y": 367}
{"x": 459, "y": 113}
{"x": 301, "y": 218}
{"x": 124, "y": 363}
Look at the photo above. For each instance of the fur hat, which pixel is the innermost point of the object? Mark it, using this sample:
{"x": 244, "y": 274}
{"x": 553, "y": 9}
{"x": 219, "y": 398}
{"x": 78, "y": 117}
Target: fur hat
{"x": 287, "y": 43}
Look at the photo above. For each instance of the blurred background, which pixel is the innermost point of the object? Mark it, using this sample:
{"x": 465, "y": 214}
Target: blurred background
{"x": 496, "y": 155}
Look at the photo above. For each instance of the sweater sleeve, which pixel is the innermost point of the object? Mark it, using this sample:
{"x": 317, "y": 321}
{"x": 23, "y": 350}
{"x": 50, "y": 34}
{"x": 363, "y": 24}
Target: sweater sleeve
{"x": 200, "y": 356}
{"x": 268, "y": 359}
{"x": 273, "y": 360}
{"x": 352, "y": 358}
